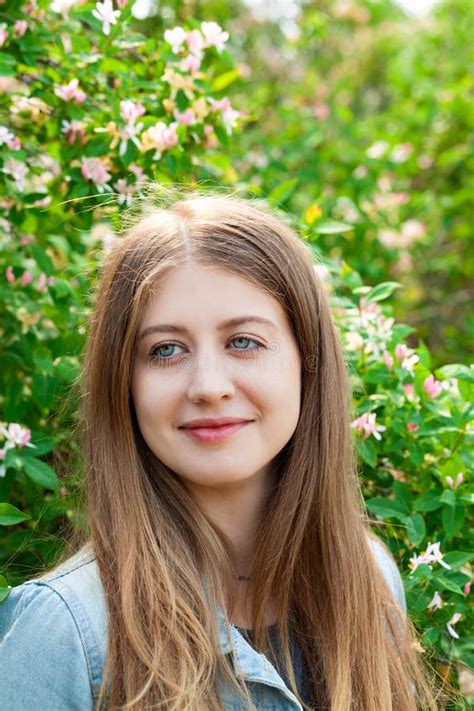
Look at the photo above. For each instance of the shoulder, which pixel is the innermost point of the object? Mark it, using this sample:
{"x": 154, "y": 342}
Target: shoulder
{"x": 389, "y": 570}
{"x": 53, "y": 638}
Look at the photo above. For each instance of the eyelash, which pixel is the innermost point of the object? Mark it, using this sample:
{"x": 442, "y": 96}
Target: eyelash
{"x": 153, "y": 356}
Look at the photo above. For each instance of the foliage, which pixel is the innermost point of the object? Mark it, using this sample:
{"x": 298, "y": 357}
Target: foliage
{"x": 368, "y": 115}
{"x": 94, "y": 104}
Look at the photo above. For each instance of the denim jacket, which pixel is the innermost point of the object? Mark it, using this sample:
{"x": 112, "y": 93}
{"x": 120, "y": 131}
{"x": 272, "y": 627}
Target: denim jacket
{"x": 53, "y": 642}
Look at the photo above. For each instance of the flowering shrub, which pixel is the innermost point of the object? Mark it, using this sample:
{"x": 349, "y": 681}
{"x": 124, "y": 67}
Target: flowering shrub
{"x": 414, "y": 435}
{"x": 91, "y": 109}
{"x": 364, "y": 113}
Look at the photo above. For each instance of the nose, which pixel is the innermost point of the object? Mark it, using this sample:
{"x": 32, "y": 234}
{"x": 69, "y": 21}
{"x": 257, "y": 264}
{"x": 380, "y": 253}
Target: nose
{"x": 210, "y": 380}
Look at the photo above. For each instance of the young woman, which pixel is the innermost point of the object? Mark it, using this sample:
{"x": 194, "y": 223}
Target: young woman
{"x": 230, "y": 564}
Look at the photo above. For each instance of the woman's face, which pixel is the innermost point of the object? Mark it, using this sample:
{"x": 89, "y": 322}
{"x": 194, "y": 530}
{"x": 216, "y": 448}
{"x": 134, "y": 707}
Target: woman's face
{"x": 189, "y": 365}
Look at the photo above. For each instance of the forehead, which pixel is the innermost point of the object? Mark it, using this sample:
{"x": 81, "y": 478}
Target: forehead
{"x": 196, "y": 293}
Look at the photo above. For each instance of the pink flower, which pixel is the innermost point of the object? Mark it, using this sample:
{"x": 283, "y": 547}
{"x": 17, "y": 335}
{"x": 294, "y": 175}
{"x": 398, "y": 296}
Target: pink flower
{"x": 229, "y": 116}
{"x": 409, "y": 389}
{"x": 214, "y": 36}
{"x": 187, "y": 118}
{"x": 455, "y": 618}
{"x": 321, "y": 111}
{"x": 366, "y": 424}
{"x": 131, "y": 110}
{"x": 20, "y": 28}
{"x": 104, "y": 11}
{"x": 18, "y": 172}
{"x": 63, "y": 491}
{"x": 74, "y": 129}
{"x": 467, "y": 588}
{"x": 70, "y": 91}
{"x": 436, "y": 603}
{"x": 9, "y": 274}
{"x": 401, "y": 152}
{"x": 125, "y": 191}
{"x": 176, "y": 38}
{"x": 431, "y": 555}
{"x": 411, "y": 427}
{"x": 94, "y": 169}
{"x": 432, "y": 387}
{"x": 160, "y": 137}
{"x": 388, "y": 360}
{"x": 401, "y": 351}
{"x": 137, "y": 171}
{"x": 14, "y": 144}
{"x": 191, "y": 64}
{"x": 26, "y": 278}
{"x": 3, "y": 33}
{"x": 454, "y": 484}
{"x": 195, "y": 42}
{"x": 16, "y": 435}
{"x": 41, "y": 285}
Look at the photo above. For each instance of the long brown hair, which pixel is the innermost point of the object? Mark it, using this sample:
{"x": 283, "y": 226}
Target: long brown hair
{"x": 165, "y": 568}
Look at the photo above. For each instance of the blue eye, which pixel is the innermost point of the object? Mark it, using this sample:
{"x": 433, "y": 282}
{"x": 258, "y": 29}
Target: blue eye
{"x": 156, "y": 353}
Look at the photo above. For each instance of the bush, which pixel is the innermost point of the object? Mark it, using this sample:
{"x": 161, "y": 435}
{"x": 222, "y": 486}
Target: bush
{"x": 93, "y": 109}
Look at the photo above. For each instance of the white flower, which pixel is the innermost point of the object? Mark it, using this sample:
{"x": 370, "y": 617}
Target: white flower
{"x": 62, "y": 7}
{"x": 106, "y": 14}
{"x": 18, "y": 172}
{"x": 455, "y": 618}
{"x": 176, "y": 38}
{"x": 409, "y": 362}
{"x": 6, "y": 136}
{"x": 16, "y": 436}
{"x": 431, "y": 555}
{"x": 377, "y": 149}
{"x": 214, "y": 35}
{"x": 436, "y": 602}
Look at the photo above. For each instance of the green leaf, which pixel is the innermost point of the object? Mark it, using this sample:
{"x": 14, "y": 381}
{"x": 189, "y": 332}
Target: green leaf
{"x": 382, "y": 291}
{"x": 4, "y": 588}
{"x": 332, "y": 227}
{"x": 224, "y": 80}
{"x": 445, "y": 583}
{"x": 452, "y": 518}
{"x": 283, "y": 191}
{"x": 10, "y": 515}
{"x": 416, "y": 529}
{"x": 429, "y": 501}
{"x": 456, "y": 370}
{"x": 402, "y": 493}
{"x": 7, "y": 65}
{"x": 448, "y": 497}
{"x": 42, "y": 259}
{"x": 456, "y": 559}
{"x": 387, "y": 508}
{"x": 182, "y": 101}
{"x": 367, "y": 451}
{"x": 41, "y": 473}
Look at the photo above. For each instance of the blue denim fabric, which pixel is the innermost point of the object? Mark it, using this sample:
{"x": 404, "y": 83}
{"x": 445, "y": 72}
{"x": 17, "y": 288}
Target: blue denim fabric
{"x": 53, "y": 641}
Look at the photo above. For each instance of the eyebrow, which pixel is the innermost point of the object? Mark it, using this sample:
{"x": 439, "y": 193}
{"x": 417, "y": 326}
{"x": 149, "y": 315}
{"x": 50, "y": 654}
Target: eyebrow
{"x": 176, "y": 328}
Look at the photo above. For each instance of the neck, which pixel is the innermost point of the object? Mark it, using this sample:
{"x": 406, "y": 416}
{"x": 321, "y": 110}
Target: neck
{"x": 236, "y": 510}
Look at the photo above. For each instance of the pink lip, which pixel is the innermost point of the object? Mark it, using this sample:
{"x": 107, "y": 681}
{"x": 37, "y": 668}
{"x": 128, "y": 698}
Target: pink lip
{"x": 213, "y": 434}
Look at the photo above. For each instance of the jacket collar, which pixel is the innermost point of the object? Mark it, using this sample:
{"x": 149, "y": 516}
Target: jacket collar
{"x": 249, "y": 664}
